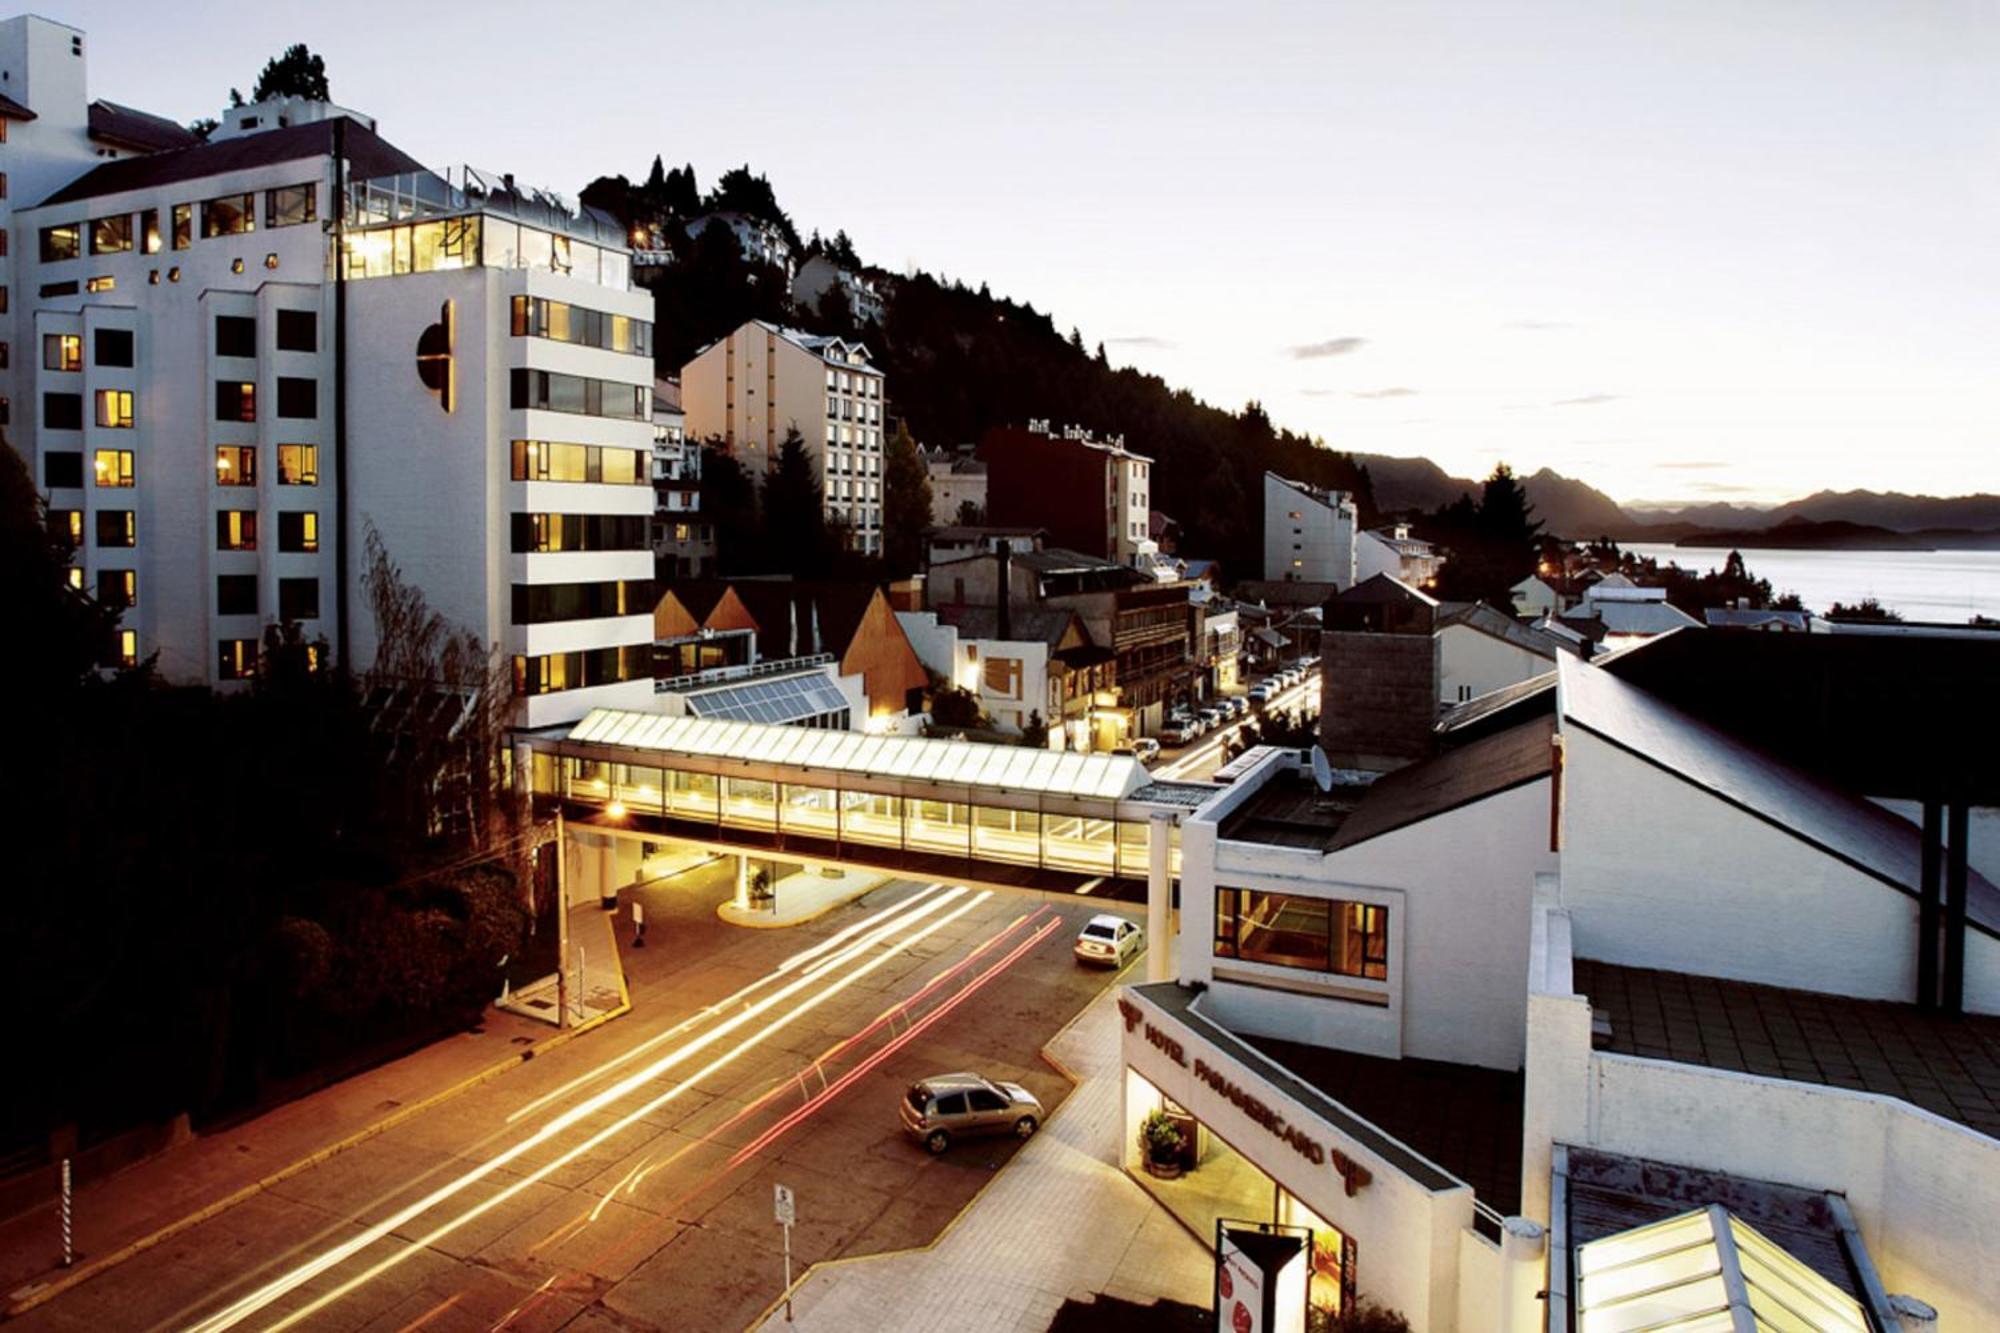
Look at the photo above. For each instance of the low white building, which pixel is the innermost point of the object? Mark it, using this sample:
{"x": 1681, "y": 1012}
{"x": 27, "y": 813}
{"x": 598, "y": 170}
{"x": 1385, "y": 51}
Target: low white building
{"x": 820, "y": 274}
{"x": 1627, "y": 612}
{"x": 1309, "y": 533}
{"x": 1395, "y": 552}
{"x": 1481, "y": 650}
{"x": 1593, "y": 967}
{"x": 1017, "y": 672}
{"x": 1534, "y": 598}
{"x": 957, "y": 479}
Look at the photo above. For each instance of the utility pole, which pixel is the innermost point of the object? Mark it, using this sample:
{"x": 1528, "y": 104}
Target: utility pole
{"x": 562, "y": 924}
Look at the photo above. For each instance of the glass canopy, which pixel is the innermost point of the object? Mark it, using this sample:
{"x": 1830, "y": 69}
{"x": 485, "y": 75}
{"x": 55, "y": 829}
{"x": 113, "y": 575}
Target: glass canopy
{"x": 1705, "y": 1270}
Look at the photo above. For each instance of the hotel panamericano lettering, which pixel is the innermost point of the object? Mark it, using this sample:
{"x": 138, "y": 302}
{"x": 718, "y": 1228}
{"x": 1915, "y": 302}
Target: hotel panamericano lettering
{"x": 1353, "y": 1175}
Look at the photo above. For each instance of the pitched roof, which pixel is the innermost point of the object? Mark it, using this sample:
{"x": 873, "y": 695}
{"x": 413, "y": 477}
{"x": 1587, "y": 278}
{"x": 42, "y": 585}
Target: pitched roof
{"x": 776, "y": 603}
{"x": 367, "y": 153}
{"x": 1439, "y": 785}
{"x": 1480, "y": 616}
{"x": 1030, "y": 625}
{"x": 1623, "y": 617}
{"x": 1735, "y": 617}
{"x": 1460, "y": 717}
{"x": 1845, "y": 826}
{"x": 13, "y": 110}
{"x": 142, "y": 130}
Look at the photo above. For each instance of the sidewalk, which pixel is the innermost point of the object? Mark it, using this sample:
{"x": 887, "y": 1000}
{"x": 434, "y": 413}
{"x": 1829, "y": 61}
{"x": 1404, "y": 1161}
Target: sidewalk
{"x": 145, "y": 1202}
{"x": 1061, "y": 1220}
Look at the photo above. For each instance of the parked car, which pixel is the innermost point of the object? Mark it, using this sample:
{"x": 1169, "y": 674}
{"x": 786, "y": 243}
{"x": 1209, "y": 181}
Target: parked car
{"x": 1211, "y": 718}
{"x": 1179, "y": 732}
{"x": 1146, "y": 749}
{"x": 1106, "y": 938}
{"x": 1260, "y": 694}
{"x": 938, "y": 1111}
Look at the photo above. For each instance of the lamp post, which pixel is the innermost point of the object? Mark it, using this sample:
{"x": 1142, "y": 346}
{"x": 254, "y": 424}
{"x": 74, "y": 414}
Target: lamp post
{"x": 562, "y": 924}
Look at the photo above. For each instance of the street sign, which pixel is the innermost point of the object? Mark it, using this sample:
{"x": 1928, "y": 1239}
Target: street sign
{"x": 782, "y": 1206}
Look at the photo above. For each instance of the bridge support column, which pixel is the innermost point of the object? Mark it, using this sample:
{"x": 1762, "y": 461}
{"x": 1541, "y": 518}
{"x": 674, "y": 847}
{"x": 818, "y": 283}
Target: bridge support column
{"x": 742, "y": 883}
{"x": 1160, "y": 941}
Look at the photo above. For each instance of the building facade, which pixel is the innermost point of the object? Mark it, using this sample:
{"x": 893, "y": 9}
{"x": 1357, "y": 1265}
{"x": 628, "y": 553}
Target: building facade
{"x": 242, "y": 372}
{"x": 1309, "y": 533}
{"x": 957, "y": 480}
{"x": 752, "y": 387}
{"x": 1094, "y": 496}
{"x": 683, "y": 541}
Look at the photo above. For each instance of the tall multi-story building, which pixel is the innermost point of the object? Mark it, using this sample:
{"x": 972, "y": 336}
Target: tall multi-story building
{"x": 238, "y": 359}
{"x": 1309, "y": 533}
{"x": 683, "y": 542}
{"x": 1094, "y": 496}
{"x": 751, "y": 388}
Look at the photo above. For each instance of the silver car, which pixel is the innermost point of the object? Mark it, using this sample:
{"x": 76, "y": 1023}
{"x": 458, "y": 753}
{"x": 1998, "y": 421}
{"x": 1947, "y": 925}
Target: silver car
{"x": 1106, "y": 938}
{"x": 938, "y": 1111}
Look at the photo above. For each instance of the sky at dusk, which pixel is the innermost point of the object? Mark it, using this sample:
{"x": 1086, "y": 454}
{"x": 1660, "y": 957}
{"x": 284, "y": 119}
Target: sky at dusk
{"x": 1711, "y": 251}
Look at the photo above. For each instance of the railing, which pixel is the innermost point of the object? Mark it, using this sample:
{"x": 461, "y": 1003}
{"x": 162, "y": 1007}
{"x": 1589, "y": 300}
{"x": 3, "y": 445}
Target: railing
{"x": 776, "y": 666}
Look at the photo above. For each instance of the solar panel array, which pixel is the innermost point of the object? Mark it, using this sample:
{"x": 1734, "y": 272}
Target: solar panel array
{"x": 1016, "y": 767}
{"x": 779, "y": 700}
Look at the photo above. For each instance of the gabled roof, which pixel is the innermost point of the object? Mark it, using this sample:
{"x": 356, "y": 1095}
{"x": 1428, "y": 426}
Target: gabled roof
{"x": 13, "y": 110}
{"x": 367, "y": 153}
{"x": 1853, "y": 830}
{"x": 1030, "y": 624}
{"x": 1733, "y": 617}
{"x": 1439, "y": 785}
{"x": 1462, "y": 718}
{"x": 139, "y": 130}
{"x": 778, "y": 604}
{"x": 1622, "y": 617}
{"x": 1500, "y": 625}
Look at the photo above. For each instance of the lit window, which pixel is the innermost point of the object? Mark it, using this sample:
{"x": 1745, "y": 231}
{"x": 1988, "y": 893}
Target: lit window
{"x": 111, "y": 236}
{"x": 183, "y": 228}
{"x": 236, "y": 264}
{"x": 118, "y": 587}
{"x": 62, "y": 351}
{"x": 289, "y": 206}
{"x": 235, "y": 401}
{"x": 238, "y": 659}
{"x": 235, "y": 465}
{"x": 231, "y": 215}
{"x": 298, "y": 465}
{"x": 102, "y": 283}
{"x": 128, "y": 647}
{"x": 236, "y": 530}
{"x": 298, "y": 531}
{"x": 60, "y": 243}
{"x": 113, "y": 467}
{"x": 114, "y": 409}
{"x": 149, "y": 231}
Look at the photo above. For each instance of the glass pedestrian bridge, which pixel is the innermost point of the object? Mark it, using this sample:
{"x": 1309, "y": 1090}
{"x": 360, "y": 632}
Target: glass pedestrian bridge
{"x": 822, "y": 793}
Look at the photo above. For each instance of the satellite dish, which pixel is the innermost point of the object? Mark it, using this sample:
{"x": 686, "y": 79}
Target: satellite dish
{"x": 1322, "y": 770}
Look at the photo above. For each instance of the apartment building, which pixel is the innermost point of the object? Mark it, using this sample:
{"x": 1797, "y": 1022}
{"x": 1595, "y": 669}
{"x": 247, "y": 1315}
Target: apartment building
{"x": 1621, "y": 1004}
{"x": 683, "y": 541}
{"x": 1310, "y": 533}
{"x": 749, "y": 389}
{"x": 1094, "y": 496}
{"x": 239, "y": 358}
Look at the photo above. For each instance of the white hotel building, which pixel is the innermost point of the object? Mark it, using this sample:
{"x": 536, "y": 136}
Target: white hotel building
{"x": 227, "y": 362}
{"x": 1595, "y": 1019}
{"x": 750, "y": 388}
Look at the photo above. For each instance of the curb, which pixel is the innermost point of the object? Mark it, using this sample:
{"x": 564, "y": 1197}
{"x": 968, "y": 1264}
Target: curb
{"x": 763, "y": 1316}
{"x": 79, "y": 1275}
{"x": 722, "y": 911}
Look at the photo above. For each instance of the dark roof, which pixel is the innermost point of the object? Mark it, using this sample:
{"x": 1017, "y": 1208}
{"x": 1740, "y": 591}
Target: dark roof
{"x": 1948, "y": 1066}
{"x": 13, "y": 110}
{"x": 1284, "y": 592}
{"x": 127, "y": 128}
{"x": 368, "y": 154}
{"x": 1464, "y": 1118}
{"x": 1383, "y": 588}
{"x": 1502, "y": 707}
{"x": 1851, "y": 829}
{"x": 1743, "y": 617}
{"x": 1892, "y": 716}
{"x": 770, "y": 602}
{"x": 1499, "y": 624}
{"x": 1472, "y": 772}
{"x": 698, "y": 596}
{"x": 1030, "y": 625}
{"x": 972, "y": 532}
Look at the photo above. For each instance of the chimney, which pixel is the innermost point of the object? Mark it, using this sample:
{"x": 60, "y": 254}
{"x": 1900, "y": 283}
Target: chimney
{"x": 1004, "y": 551}
{"x": 1378, "y": 676}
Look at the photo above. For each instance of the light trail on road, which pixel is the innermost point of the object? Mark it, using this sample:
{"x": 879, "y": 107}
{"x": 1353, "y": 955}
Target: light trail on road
{"x": 275, "y": 1290}
{"x": 791, "y": 964}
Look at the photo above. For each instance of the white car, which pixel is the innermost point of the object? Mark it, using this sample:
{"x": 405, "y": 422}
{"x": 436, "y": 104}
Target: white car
{"x": 1177, "y": 732}
{"x": 1109, "y": 939}
{"x": 1260, "y": 694}
{"x": 1146, "y": 749}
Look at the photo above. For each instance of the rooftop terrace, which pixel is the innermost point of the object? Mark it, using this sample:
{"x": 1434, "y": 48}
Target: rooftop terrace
{"x": 1950, "y": 1066}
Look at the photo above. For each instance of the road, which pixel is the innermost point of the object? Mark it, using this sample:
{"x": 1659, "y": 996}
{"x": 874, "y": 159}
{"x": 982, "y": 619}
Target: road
{"x": 624, "y": 1180}
{"x": 1198, "y": 760}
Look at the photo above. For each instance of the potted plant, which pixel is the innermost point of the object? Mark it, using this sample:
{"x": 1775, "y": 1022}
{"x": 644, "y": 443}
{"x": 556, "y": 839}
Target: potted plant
{"x": 1160, "y": 1141}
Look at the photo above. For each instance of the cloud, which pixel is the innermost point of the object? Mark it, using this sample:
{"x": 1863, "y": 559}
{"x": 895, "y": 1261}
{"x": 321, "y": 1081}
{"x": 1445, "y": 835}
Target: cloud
{"x": 1721, "y": 488}
{"x": 1331, "y": 347}
{"x": 1143, "y": 340}
{"x": 1588, "y": 400}
{"x": 1538, "y": 325}
{"x": 1700, "y": 465}
{"x": 1396, "y": 392}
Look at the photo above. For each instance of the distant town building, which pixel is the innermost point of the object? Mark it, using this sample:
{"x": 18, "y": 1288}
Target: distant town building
{"x": 1752, "y": 618}
{"x": 753, "y": 386}
{"x": 177, "y": 346}
{"x": 820, "y": 274}
{"x": 1094, "y": 496}
{"x": 943, "y": 545}
{"x": 683, "y": 542}
{"x": 957, "y": 479}
{"x": 761, "y": 242}
{"x": 1533, "y": 598}
{"x": 1481, "y": 650}
{"x": 1627, "y": 612}
{"x": 1018, "y": 665}
{"x": 1393, "y": 551}
{"x": 1309, "y": 533}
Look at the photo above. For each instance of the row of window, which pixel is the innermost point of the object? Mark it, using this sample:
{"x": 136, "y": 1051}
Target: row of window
{"x": 109, "y": 347}
{"x": 229, "y": 215}
{"x": 547, "y": 460}
{"x": 864, "y": 386}
{"x": 298, "y": 399}
{"x": 236, "y": 465}
{"x": 64, "y": 411}
{"x": 236, "y": 595}
{"x": 1347, "y": 939}
{"x": 548, "y": 603}
{"x": 298, "y": 530}
{"x": 579, "y": 532}
{"x": 539, "y": 317}
{"x": 236, "y": 335}
{"x": 63, "y": 469}
{"x": 552, "y": 391}
{"x": 572, "y": 671}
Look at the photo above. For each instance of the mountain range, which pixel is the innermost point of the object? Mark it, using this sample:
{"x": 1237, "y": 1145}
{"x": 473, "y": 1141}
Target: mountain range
{"x": 1577, "y": 510}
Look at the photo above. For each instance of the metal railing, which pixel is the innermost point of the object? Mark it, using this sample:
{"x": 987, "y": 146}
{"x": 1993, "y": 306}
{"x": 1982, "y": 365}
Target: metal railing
{"x": 777, "y": 666}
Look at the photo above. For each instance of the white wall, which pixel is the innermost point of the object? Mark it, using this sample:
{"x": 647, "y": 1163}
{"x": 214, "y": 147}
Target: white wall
{"x": 1658, "y": 873}
{"x": 1472, "y": 662}
{"x": 1318, "y": 546}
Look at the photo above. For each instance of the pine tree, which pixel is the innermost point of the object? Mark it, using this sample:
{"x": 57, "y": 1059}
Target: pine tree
{"x": 794, "y": 510}
{"x": 906, "y": 504}
{"x": 296, "y": 73}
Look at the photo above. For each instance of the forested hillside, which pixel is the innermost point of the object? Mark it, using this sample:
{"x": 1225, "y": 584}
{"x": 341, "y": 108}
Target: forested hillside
{"x": 960, "y": 360}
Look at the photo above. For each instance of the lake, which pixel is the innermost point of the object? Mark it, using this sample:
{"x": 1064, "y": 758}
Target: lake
{"x": 1951, "y": 586}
